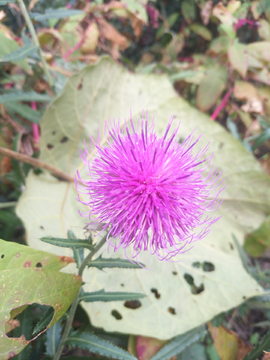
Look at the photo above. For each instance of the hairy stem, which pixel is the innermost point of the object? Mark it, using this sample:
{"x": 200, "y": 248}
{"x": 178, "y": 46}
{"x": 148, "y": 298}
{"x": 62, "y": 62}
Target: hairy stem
{"x": 76, "y": 301}
{"x": 36, "y": 42}
{"x": 36, "y": 163}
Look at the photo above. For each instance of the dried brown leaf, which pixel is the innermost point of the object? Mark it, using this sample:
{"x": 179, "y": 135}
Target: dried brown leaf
{"x": 137, "y": 26}
{"x": 111, "y": 34}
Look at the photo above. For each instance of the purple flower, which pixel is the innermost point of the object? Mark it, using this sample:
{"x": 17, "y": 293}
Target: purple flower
{"x": 149, "y": 192}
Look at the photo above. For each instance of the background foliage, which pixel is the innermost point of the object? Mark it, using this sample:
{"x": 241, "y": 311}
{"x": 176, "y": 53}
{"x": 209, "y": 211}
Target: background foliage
{"x": 207, "y": 63}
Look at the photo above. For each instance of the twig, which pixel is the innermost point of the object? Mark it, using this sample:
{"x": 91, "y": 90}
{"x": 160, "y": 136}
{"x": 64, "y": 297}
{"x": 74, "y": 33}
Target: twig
{"x": 76, "y": 301}
{"x": 77, "y": 46}
{"x": 36, "y": 42}
{"x": 221, "y": 105}
{"x": 36, "y": 163}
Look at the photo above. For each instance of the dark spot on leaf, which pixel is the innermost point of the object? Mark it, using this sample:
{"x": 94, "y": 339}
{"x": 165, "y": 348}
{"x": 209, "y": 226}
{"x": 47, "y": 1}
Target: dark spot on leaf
{"x": 220, "y": 146}
{"x": 132, "y": 304}
{"x": 116, "y": 314}
{"x": 49, "y": 146}
{"x": 157, "y": 294}
{"x": 122, "y": 285}
{"x": 27, "y": 264}
{"x": 38, "y": 265}
{"x": 79, "y": 87}
{"x": 174, "y": 273}
{"x": 207, "y": 266}
{"x": 196, "y": 264}
{"x": 53, "y": 132}
{"x": 195, "y": 290}
{"x": 2, "y": 256}
{"x": 231, "y": 246}
{"x": 64, "y": 139}
{"x": 172, "y": 310}
{"x": 42, "y": 228}
{"x": 181, "y": 140}
{"x": 244, "y": 297}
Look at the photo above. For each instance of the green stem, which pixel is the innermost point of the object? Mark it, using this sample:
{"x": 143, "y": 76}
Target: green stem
{"x": 76, "y": 301}
{"x": 36, "y": 42}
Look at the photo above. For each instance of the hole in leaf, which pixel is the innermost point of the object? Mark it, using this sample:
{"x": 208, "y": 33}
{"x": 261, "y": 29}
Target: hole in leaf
{"x": 195, "y": 290}
{"x": 207, "y": 266}
{"x": 157, "y": 294}
{"x": 18, "y": 325}
{"x": 38, "y": 265}
{"x": 2, "y": 256}
{"x": 132, "y": 304}
{"x": 116, "y": 314}
{"x": 174, "y": 273}
{"x": 63, "y": 140}
{"x": 172, "y": 310}
{"x": 49, "y": 146}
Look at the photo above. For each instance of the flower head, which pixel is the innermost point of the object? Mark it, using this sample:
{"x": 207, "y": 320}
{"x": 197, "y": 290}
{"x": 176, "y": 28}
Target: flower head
{"x": 149, "y": 192}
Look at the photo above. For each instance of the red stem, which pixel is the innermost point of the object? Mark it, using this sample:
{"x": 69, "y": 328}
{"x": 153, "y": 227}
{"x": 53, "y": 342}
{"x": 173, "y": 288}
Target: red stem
{"x": 35, "y": 127}
{"x": 75, "y": 47}
{"x": 221, "y": 105}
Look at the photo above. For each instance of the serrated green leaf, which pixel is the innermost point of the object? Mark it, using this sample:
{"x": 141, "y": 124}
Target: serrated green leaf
{"x": 257, "y": 351}
{"x": 179, "y": 343}
{"x": 9, "y": 45}
{"x": 102, "y": 295}
{"x": 44, "y": 321}
{"x": 101, "y": 263}
{"x": 19, "y": 54}
{"x": 24, "y": 96}
{"x": 55, "y": 14}
{"x": 68, "y": 243}
{"x": 53, "y": 337}
{"x": 24, "y": 110}
{"x": 98, "y": 346}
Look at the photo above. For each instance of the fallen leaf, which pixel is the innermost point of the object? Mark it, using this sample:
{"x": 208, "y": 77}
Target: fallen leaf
{"x": 233, "y": 6}
{"x": 223, "y": 14}
{"x": 253, "y": 105}
{"x": 91, "y": 39}
{"x": 147, "y": 347}
{"x": 237, "y": 55}
{"x": 137, "y": 26}
{"x": 206, "y": 12}
{"x": 228, "y": 344}
{"x": 264, "y": 29}
{"x": 266, "y": 355}
{"x": 244, "y": 90}
{"x": 110, "y": 33}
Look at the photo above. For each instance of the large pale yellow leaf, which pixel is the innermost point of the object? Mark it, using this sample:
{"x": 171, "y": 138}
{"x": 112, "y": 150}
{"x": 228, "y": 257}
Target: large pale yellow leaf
{"x": 48, "y": 207}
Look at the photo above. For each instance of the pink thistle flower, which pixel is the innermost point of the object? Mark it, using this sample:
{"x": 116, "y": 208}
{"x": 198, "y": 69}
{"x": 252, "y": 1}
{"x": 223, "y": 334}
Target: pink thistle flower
{"x": 149, "y": 192}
